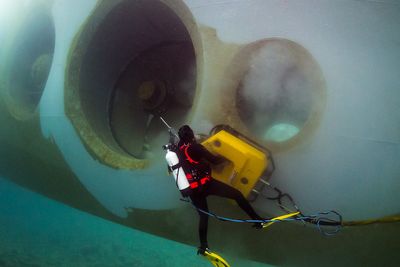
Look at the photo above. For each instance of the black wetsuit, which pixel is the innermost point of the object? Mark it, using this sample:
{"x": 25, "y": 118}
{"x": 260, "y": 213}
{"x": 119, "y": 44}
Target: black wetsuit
{"x": 213, "y": 187}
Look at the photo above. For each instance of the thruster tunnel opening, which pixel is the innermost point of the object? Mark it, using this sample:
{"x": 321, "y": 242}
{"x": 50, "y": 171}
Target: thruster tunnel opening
{"x": 137, "y": 62}
{"x": 29, "y": 59}
{"x": 281, "y": 90}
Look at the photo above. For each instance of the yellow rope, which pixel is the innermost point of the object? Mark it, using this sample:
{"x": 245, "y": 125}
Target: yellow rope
{"x": 388, "y": 219}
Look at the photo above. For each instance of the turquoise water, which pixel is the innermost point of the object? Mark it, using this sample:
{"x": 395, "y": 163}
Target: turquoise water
{"x": 331, "y": 168}
{"x": 37, "y": 231}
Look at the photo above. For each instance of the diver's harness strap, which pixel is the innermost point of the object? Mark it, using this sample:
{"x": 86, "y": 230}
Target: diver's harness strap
{"x": 176, "y": 166}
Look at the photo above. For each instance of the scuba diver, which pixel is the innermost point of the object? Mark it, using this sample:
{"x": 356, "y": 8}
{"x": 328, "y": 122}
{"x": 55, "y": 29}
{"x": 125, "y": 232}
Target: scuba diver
{"x": 190, "y": 162}
{"x": 195, "y": 159}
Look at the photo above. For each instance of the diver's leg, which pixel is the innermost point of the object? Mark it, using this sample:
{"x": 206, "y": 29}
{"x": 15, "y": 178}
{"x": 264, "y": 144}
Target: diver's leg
{"x": 200, "y": 202}
{"x": 223, "y": 190}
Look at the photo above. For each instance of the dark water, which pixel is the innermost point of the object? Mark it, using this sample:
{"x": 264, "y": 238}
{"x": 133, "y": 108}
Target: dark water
{"x": 36, "y": 231}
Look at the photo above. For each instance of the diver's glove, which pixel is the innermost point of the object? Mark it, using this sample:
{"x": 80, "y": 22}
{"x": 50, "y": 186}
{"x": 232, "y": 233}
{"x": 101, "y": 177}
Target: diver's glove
{"x": 173, "y": 136}
{"x": 220, "y": 159}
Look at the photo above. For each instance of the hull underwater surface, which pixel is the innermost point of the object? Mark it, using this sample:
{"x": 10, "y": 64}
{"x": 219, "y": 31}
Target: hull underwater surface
{"x": 314, "y": 82}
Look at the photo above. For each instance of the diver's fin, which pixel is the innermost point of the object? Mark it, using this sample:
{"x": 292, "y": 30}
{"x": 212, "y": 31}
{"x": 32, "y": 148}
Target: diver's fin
{"x": 281, "y": 218}
{"x": 215, "y": 259}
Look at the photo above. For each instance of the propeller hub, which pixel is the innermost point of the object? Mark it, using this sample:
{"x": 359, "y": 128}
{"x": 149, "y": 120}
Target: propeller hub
{"x": 152, "y": 94}
{"x": 146, "y": 90}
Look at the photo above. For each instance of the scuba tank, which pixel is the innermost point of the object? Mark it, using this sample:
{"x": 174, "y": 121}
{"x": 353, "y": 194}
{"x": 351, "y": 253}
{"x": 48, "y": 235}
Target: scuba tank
{"x": 173, "y": 163}
{"x": 172, "y": 159}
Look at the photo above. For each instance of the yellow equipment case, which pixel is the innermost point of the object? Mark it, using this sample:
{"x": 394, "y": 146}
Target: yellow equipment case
{"x": 247, "y": 162}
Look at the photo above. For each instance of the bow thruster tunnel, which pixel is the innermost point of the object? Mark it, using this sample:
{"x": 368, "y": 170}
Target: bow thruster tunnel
{"x": 131, "y": 62}
{"x": 27, "y": 61}
{"x": 279, "y": 95}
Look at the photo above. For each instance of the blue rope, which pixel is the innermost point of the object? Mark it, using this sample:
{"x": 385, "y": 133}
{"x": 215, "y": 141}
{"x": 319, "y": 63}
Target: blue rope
{"x": 315, "y": 217}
